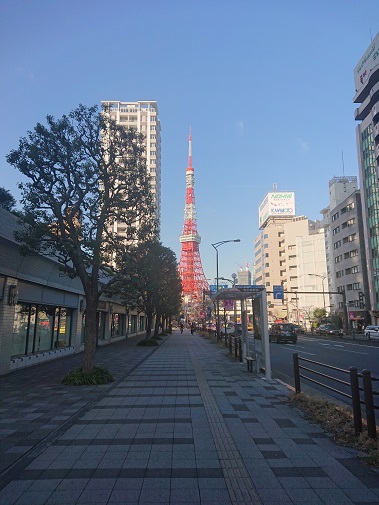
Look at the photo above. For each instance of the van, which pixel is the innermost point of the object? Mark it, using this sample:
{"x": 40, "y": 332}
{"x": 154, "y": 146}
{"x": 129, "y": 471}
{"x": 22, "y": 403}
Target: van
{"x": 283, "y": 332}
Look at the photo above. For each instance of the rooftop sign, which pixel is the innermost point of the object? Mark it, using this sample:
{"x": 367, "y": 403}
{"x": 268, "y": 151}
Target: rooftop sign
{"x": 276, "y": 204}
{"x": 369, "y": 60}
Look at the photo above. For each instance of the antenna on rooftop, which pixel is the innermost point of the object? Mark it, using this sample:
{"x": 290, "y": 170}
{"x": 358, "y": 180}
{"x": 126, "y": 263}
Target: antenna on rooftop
{"x": 343, "y": 166}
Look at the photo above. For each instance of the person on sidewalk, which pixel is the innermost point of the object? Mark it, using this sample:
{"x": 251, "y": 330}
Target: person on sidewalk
{"x": 193, "y": 328}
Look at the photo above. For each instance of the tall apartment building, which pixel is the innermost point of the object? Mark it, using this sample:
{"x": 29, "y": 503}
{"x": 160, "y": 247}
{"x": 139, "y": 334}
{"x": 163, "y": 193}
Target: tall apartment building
{"x": 349, "y": 260}
{"x": 143, "y": 116}
{"x": 366, "y": 80}
{"x": 345, "y": 251}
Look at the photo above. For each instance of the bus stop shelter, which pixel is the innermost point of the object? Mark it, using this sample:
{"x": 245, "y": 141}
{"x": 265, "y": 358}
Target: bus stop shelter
{"x": 261, "y": 337}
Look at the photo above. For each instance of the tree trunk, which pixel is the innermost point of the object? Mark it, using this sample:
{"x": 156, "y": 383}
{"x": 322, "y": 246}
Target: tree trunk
{"x": 149, "y": 320}
{"x": 90, "y": 335}
{"x": 156, "y": 327}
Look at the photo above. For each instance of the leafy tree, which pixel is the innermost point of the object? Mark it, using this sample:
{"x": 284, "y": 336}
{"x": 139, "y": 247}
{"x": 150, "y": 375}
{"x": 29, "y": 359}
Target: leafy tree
{"x": 319, "y": 314}
{"x": 151, "y": 283}
{"x": 86, "y": 173}
{"x": 6, "y": 200}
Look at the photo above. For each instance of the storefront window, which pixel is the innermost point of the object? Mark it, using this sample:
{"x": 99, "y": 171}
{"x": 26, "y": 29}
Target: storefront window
{"x": 62, "y": 327}
{"x": 133, "y": 324}
{"x": 39, "y": 328}
{"x": 44, "y": 328}
{"x": 118, "y": 325}
{"x": 101, "y": 325}
{"x": 100, "y": 321}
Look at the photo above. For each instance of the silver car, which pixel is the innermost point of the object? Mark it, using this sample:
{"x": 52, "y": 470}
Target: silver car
{"x": 372, "y": 332}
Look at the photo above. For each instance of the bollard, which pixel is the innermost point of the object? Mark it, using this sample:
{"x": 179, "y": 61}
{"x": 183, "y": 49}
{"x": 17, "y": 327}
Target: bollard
{"x": 240, "y": 350}
{"x": 235, "y": 347}
{"x": 296, "y": 372}
{"x": 356, "y": 400}
{"x": 230, "y": 344}
{"x": 369, "y": 402}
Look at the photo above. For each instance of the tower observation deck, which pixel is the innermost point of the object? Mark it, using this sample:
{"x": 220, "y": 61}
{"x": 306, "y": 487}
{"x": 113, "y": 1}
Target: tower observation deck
{"x": 190, "y": 267}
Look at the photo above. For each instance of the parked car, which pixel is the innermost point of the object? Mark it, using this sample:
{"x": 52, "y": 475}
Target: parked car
{"x": 299, "y": 329}
{"x": 372, "y": 332}
{"x": 283, "y": 332}
{"x": 231, "y": 329}
{"x": 328, "y": 329}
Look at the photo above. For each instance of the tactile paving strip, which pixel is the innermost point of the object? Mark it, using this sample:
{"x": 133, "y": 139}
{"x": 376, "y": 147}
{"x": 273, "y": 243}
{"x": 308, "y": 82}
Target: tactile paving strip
{"x": 241, "y": 489}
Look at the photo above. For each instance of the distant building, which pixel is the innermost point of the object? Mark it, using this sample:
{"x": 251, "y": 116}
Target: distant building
{"x": 244, "y": 277}
{"x": 143, "y": 116}
{"x": 290, "y": 252}
{"x": 366, "y": 80}
{"x": 346, "y": 255}
{"x": 312, "y": 279}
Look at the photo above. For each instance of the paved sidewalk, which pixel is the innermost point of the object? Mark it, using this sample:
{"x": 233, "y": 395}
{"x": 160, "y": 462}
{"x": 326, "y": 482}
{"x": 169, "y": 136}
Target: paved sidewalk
{"x": 183, "y": 423}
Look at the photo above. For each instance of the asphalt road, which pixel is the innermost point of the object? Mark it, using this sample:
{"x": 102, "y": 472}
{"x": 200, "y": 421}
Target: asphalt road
{"x": 337, "y": 353}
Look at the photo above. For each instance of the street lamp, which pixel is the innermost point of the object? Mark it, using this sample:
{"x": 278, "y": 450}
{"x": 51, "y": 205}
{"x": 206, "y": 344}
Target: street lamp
{"x": 233, "y": 282}
{"x": 216, "y": 245}
{"x": 322, "y": 277}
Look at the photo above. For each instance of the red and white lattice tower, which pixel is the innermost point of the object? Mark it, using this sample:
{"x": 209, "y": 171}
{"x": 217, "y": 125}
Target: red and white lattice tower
{"x": 190, "y": 268}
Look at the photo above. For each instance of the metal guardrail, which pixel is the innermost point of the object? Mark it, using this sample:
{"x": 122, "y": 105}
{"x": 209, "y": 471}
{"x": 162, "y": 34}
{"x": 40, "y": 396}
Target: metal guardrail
{"x": 235, "y": 346}
{"x": 353, "y": 385}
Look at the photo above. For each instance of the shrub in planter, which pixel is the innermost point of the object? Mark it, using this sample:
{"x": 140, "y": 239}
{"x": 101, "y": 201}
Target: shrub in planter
{"x": 148, "y": 342}
{"x": 99, "y": 375}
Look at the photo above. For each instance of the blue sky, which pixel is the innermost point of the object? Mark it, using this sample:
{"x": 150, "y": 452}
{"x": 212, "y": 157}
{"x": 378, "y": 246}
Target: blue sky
{"x": 267, "y": 87}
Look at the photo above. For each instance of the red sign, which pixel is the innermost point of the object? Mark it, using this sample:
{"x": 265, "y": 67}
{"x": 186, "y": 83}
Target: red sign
{"x": 228, "y": 304}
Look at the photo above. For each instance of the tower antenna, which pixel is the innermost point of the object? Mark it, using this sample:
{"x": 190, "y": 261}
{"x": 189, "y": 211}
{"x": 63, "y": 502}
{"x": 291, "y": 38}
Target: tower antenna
{"x": 191, "y": 271}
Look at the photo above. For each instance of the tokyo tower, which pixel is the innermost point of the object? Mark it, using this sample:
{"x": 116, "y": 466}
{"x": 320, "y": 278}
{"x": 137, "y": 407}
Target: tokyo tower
{"x": 190, "y": 268}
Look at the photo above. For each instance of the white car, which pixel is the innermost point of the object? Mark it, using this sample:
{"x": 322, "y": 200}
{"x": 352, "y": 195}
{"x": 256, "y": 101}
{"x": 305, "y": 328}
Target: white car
{"x": 372, "y": 332}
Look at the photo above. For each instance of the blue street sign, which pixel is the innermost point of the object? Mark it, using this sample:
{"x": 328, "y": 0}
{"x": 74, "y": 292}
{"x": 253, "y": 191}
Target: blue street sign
{"x": 213, "y": 288}
{"x": 278, "y": 292}
{"x": 253, "y": 288}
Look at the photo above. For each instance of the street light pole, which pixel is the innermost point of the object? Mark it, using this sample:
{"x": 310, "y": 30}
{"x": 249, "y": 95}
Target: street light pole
{"x": 216, "y": 245}
{"x": 234, "y": 277}
{"x": 233, "y": 282}
{"x": 322, "y": 277}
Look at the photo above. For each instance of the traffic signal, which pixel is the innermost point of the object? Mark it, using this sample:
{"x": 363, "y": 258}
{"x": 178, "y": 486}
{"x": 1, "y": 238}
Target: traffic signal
{"x": 361, "y": 296}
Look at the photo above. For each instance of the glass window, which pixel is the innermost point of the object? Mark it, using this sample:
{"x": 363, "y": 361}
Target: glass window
{"x": 118, "y": 325}
{"x": 39, "y": 328}
{"x": 133, "y": 324}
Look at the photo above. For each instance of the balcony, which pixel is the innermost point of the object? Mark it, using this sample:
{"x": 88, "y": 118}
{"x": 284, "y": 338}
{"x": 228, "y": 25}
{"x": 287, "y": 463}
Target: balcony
{"x": 362, "y": 111}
